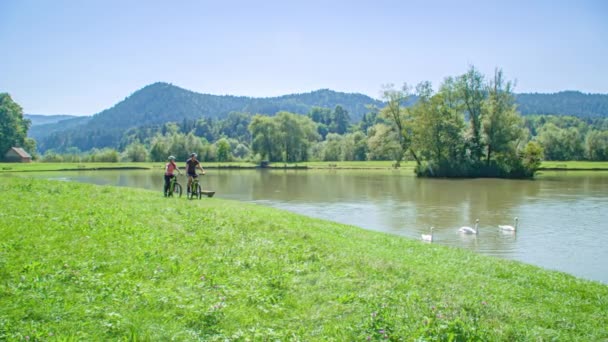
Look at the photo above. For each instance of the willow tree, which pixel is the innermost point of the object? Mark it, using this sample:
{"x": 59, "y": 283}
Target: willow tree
{"x": 295, "y": 134}
{"x": 264, "y": 133}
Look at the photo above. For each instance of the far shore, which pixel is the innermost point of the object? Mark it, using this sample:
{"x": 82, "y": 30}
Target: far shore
{"x": 349, "y": 165}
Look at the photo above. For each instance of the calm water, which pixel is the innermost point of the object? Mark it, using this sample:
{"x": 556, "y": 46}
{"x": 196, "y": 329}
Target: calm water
{"x": 563, "y": 217}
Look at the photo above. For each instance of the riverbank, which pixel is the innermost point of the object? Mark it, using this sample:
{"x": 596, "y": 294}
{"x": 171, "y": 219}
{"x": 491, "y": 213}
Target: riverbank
{"x": 372, "y": 165}
{"x": 86, "y": 262}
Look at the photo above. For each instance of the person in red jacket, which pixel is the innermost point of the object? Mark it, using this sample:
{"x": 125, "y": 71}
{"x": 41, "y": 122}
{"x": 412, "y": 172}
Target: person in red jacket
{"x": 170, "y": 168}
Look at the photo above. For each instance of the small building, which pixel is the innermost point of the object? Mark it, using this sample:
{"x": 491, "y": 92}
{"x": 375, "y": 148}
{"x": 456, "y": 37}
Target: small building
{"x": 17, "y": 155}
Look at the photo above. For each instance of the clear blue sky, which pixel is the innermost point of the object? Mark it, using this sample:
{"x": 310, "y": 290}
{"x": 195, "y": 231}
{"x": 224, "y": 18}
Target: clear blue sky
{"x": 81, "y": 57}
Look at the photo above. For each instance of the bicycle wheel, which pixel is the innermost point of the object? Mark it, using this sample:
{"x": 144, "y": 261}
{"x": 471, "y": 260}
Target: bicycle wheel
{"x": 177, "y": 190}
{"x": 199, "y": 191}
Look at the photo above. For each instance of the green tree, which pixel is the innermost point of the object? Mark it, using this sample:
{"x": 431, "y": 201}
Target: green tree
{"x": 369, "y": 119}
{"x": 438, "y": 130}
{"x": 235, "y": 125}
{"x": 265, "y": 137}
{"x": 222, "y": 147}
{"x": 13, "y": 127}
{"x": 399, "y": 118}
{"x": 501, "y": 126}
{"x": 473, "y": 93}
{"x": 596, "y": 145}
{"x": 333, "y": 147}
{"x": 561, "y": 143}
{"x": 359, "y": 145}
{"x": 159, "y": 150}
{"x": 241, "y": 151}
{"x": 340, "y": 120}
{"x": 532, "y": 158}
{"x": 383, "y": 143}
{"x": 136, "y": 152}
{"x": 296, "y": 133}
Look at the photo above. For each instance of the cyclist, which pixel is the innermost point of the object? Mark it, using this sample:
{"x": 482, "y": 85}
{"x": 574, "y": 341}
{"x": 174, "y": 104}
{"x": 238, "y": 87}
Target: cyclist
{"x": 170, "y": 167}
{"x": 191, "y": 165}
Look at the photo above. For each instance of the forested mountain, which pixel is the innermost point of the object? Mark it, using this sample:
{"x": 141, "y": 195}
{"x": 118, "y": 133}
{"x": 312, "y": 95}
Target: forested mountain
{"x": 41, "y": 131}
{"x": 159, "y": 103}
{"x": 38, "y": 119}
{"x": 573, "y": 103}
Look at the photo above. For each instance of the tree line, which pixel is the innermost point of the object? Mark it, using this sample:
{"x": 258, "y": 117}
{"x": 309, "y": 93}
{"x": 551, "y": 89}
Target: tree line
{"x": 469, "y": 127}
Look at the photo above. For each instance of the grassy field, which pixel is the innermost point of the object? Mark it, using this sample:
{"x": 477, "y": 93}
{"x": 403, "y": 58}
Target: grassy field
{"x": 84, "y": 262}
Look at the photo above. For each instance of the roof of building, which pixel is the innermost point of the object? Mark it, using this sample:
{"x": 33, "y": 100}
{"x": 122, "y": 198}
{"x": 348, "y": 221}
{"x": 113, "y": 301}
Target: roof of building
{"x": 21, "y": 152}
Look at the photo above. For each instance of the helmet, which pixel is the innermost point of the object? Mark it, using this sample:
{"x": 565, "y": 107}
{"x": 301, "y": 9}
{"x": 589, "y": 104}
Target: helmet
{"x": 192, "y": 154}
{"x": 171, "y": 158}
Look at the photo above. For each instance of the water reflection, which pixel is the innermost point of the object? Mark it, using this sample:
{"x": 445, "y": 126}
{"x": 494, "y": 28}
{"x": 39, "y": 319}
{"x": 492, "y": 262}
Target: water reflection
{"x": 562, "y": 216}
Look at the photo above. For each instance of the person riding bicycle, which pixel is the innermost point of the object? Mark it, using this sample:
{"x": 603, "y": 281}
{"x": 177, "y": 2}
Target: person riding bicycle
{"x": 191, "y": 165}
{"x": 170, "y": 167}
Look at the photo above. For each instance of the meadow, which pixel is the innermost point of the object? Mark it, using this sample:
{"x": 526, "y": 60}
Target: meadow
{"x": 86, "y": 262}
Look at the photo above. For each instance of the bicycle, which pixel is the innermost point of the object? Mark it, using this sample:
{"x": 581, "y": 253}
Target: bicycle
{"x": 198, "y": 191}
{"x": 174, "y": 187}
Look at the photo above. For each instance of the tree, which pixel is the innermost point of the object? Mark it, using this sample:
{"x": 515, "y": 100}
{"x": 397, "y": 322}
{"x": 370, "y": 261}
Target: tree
{"x": 159, "y": 151}
{"x": 399, "y": 117}
{"x": 340, "y": 120}
{"x": 532, "y": 157}
{"x": 438, "y": 130}
{"x": 222, "y": 147}
{"x": 235, "y": 126}
{"x": 501, "y": 126}
{"x": 136, "y": 152}
{"x": 472, "y": 92}
{"x": 369, "y": 119}
{"x": 383, "y": 143}
{"x": 561, "y": 143}
{"x": 13, "y": 127}
{"x": 360, "y": 146}
{"x": 265, "y": 137}
{"x": 295, "y": 133}
{"x": 333, "y": 145}
{"x": 596, "y": 145}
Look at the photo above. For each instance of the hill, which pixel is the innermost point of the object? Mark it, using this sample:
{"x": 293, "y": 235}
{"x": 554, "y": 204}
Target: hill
{"x": 159, "y": 103}
{"x": 572, "y": 103}
{"x": 38, "y": 119}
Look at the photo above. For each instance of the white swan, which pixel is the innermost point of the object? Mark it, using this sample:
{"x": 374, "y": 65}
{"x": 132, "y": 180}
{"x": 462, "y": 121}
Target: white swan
{"x": 428, "y": 237}
{"x": 507, "y": 227}
{"x": 469, "y": 230}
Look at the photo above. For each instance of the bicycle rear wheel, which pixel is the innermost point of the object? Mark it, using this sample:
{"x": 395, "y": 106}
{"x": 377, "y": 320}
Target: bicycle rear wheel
{"x": 192, "y": 193}
{"x": 196, "y": 191}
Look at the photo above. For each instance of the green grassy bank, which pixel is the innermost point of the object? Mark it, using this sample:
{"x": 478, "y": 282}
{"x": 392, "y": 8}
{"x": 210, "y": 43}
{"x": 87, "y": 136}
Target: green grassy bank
{"x": 83, "y": 262}
{"x": 38, "y": 166}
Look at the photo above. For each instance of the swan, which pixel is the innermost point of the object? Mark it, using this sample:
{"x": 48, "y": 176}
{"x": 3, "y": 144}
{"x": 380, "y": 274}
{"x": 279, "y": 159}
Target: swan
{"x": 507, "y": 227}
{"x": 469, "y": 230}
{"x": 428, "y": 237}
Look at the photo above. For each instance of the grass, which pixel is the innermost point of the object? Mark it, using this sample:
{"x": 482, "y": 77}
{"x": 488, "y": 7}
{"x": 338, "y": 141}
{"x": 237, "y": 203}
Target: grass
{"x": 575, "y": 165}
{"x": 86, "y": 262}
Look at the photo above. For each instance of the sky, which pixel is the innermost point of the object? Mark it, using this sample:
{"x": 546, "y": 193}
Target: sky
{"x": 81, "y": 57}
